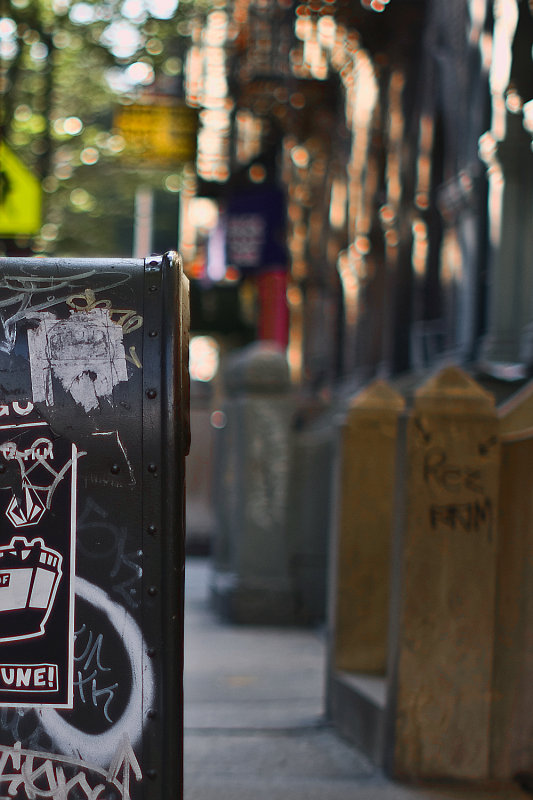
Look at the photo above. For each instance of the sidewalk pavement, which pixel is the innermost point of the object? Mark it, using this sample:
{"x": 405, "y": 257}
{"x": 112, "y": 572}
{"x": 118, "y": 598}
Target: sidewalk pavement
{"x": 254, "y": 724}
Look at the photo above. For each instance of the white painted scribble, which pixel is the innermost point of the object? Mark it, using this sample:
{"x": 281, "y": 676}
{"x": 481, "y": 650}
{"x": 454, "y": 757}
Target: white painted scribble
{"x": 89, "y": 667}
{"x": 43, "y": 774}
{"x": 29, "y": 294}
{"x": 95, "y": 748}
{"x": 84, "y": 352}
{"x": 35, "y": 459}
{"x": 120, "y": 444}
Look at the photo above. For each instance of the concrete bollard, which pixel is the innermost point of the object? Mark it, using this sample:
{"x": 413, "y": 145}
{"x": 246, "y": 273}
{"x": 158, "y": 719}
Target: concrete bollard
{"x": 442, "y": 615}
{"x": 360, "y": 602}
{"x": 512, "y": 718}
{"x": 250, "y": 582}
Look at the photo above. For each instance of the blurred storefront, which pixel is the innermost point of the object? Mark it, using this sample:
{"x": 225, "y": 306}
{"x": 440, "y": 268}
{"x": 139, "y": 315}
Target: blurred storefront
{"x": 359, "y": 127}
{"x": 369, "y": 166}
{"x": 361, "y": 186}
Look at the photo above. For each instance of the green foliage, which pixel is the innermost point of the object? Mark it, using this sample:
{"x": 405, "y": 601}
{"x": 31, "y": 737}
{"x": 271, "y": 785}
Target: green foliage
{"x": 64, "y": 68}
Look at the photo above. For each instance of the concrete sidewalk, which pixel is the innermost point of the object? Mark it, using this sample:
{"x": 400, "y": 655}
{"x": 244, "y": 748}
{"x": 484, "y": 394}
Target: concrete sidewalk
{"x": 254, "y": 725}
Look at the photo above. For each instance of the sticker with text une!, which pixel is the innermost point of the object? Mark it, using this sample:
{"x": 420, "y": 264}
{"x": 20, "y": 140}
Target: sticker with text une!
{"x": 35, "y": 677}
{"x": 37, "y": 549}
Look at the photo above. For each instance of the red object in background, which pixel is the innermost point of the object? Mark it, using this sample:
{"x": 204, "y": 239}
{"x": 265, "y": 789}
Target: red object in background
{"x": 273, "y": 323}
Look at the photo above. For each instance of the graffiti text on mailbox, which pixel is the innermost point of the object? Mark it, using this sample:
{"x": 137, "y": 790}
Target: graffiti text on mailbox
{"x": 60, "y": 777}
{"x": 38, "y": 472}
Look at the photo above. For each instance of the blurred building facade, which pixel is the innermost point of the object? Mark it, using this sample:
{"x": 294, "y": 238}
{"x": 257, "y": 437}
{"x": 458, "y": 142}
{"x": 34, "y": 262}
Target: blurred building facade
{"x": 392, "y": 131}
{"x": 362, "y": 193}
{"x": 370, "y": 164}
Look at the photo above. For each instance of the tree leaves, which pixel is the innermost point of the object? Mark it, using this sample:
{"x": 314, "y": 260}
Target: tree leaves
{"x": 64, "y": 68}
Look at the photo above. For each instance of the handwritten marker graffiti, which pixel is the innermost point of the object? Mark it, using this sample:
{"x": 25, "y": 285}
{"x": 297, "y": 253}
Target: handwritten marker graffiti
{"x": 31, "y": 509}
{"x": 95, "y": 748}
{"x": 38, "y": 472}
{"x": 85, "y": 353}
{"x": 128, "y": 320}
{"x": 25, "y": 296}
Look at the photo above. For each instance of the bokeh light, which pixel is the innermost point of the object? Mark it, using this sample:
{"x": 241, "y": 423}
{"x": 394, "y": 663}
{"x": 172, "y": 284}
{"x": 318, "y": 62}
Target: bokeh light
{"x": 204, "y": 358}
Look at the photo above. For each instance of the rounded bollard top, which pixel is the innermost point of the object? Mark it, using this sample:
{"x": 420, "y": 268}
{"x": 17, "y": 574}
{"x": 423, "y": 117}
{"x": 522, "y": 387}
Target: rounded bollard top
{"x": 452, "y": 389}
{"x": 258, "y": 368}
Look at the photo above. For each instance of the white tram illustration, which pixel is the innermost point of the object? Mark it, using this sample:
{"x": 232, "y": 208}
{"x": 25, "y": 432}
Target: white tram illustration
{"x": 29, "y": 577}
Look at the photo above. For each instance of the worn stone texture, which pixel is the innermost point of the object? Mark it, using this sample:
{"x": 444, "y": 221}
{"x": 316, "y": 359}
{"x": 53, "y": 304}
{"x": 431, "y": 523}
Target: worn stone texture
{"x": 251, "y": 582}
{"x": 364, "y": 535}
{"x": 441, "y": 677}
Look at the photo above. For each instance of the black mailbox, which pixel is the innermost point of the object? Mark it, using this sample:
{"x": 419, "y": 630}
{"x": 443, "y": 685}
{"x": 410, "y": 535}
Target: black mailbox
{"x": 93, "y": 434}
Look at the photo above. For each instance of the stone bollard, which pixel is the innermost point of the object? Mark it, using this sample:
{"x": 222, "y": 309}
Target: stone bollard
{"x": 250, "y": 582}
{"x": 360, "y": 603}
{"x": 512, "y": 717}
{"x": 443, "y": 590}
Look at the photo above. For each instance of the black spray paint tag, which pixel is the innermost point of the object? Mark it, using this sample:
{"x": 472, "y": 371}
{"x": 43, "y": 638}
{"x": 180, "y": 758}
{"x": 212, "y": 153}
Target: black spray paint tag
{"x": 38, "y": 478}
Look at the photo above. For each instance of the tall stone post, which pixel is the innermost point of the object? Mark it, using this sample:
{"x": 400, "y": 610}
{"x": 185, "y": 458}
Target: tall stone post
{"x": 443, "y": 591}
{"x": 362, "y": 558}
{"x": 508, "y": 343}
{"x": 359, "y": 590}
{"x": 251, "y": 582}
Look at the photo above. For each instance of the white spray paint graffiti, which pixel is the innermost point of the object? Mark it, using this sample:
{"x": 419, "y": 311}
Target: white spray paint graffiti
{"x": 95, "y": 748}
{"x": 85, "y": 353}
{"x": 38, "y": 455}
{"x": 43, "y": 774}
{"x": 89, "y": 669}
{"x": 118, "y": 440}
{"x": 23, "y": 296}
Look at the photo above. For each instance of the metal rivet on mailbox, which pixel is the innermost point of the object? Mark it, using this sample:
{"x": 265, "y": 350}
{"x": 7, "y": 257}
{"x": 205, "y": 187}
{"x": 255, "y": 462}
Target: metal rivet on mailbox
{"x": 151, "y": 714}
{"x": 152, "y": 334}
{"x": 152, "y": 591}
{"x": 152, "y": 774}
{"x": 152, "y": 530}
{"x": 115, "y": 469}
{"x": 152, "y": 467}
{"x": 151, "y": 393}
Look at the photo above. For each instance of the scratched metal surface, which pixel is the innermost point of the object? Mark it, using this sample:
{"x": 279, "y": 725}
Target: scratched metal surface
{"x": 93, "y": 432}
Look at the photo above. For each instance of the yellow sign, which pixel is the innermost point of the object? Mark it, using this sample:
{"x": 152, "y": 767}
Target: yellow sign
{"x": 20, "y": 196}
{"x": 157, "y": 132}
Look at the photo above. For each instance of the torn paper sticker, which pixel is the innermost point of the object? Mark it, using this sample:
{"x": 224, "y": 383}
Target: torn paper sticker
{"x": 85, "y": 353}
